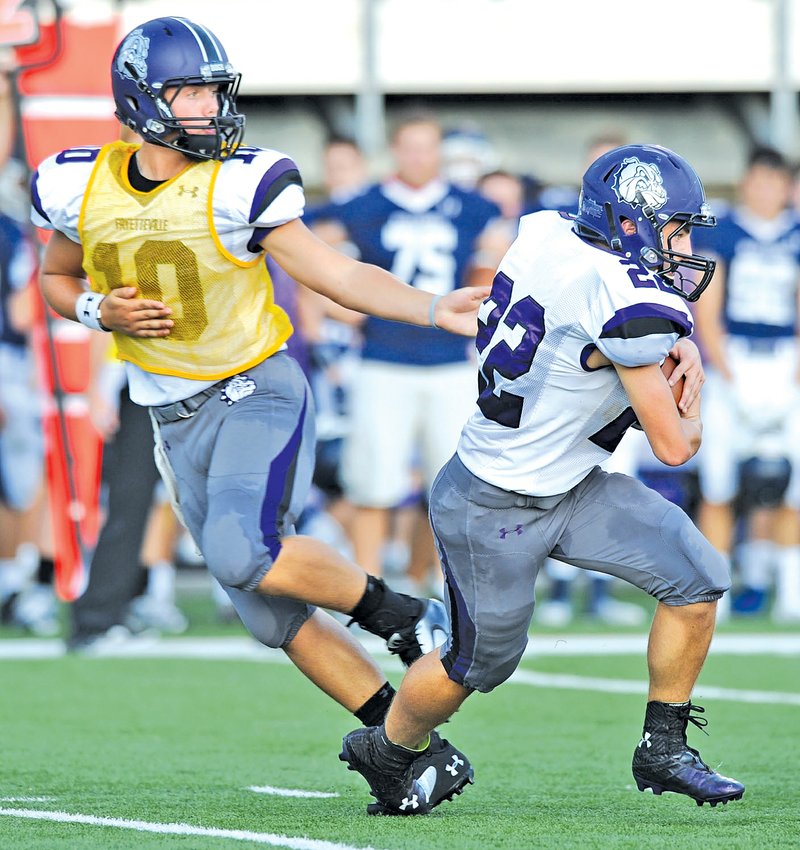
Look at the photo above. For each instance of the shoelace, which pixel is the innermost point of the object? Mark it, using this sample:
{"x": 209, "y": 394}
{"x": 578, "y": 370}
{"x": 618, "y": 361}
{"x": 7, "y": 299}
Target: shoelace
{"x": 699, "y": 722}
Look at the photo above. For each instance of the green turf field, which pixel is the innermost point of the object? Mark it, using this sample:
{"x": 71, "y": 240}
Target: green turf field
{"x": 159, "y": 741}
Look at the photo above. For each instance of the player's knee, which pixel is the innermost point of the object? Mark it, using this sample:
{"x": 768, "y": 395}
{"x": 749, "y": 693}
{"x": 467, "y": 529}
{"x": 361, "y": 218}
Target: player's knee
{"x": 492, "y": 660}
{"x": 696, "y": 615}
{"x": 237, "y": 562}
{"x": 697, "y": 571}
{"x": 272, "y": 621}
{"x": 492, "y": 676}
{"x": 271, "y": 632}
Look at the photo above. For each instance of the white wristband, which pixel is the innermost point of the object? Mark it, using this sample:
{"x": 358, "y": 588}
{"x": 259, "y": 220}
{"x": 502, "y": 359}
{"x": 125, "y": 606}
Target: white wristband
{"x": 432, "y": 310}
{"x": 87, "y": 310}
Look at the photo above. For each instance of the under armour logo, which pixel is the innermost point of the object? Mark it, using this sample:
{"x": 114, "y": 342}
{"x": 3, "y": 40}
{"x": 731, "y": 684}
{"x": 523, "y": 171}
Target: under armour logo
{"x": 188, "y": 190}
{"x": 646, "y": 740}
{"x": 504, "y": 532}
{"x": 453, "y": 768}
{"x": 409, "y": 804}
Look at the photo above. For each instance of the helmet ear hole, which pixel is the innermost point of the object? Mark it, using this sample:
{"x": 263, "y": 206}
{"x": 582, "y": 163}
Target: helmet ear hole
{"x": 133, "y": 104}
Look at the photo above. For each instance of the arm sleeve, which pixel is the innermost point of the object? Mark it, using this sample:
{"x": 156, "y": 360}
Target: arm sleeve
{"x": 637, "y": 326}
{"x": 257, "y": 191}
{"x": 57, "y": 190}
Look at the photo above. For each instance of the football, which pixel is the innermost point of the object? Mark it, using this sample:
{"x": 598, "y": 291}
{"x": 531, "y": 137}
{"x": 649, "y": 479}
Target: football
{"x": 668, "y": 367}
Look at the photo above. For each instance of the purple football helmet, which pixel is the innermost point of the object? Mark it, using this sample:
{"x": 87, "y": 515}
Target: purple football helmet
{"x": 651, "y": 186}
{"x": 170, "y": 53}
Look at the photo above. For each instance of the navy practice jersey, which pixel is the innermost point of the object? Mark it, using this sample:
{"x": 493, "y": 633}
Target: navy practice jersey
{"x": 762, "y": 271}
{"x": 427, "y": 238}
{"x": 17, "y": 263}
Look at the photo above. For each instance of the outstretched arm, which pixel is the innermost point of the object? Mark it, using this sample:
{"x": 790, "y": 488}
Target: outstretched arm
{"x": 367, "y": 288}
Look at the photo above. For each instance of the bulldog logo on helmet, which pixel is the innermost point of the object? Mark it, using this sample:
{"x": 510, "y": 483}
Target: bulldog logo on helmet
{"x": 134, "y": 53}
{"x": 640, "y": 183}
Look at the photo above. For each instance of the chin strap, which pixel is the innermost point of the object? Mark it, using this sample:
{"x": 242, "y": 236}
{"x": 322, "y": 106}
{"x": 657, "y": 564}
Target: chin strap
{"x": 615, "y": 243}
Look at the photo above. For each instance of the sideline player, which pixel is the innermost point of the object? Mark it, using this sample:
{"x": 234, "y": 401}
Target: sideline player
{"x": 582, "y": 311}
{"x": 752, "y": 412}
{"x": 412, "y": 387}
{"x": 22, "y": 601}
{"x": 171, "y": 235}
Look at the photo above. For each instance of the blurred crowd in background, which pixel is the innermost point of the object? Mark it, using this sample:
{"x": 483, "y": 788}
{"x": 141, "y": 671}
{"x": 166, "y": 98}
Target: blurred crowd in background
{"x": 390, "y": 403}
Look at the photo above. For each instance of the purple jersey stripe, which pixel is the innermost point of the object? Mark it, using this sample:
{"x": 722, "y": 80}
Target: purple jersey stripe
{"x": 587, "y": 352}
{"x": 283, "y": 173}
{"x": 610, "y": 436}
{"x": 280, "y": 481}
{"x": 644, "y": 319}
{"x": 36, "y": 200}
{"x": 254, "y": 245}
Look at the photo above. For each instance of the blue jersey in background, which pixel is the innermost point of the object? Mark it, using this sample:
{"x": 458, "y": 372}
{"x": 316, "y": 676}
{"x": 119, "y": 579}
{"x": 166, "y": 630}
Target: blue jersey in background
{"x": 427, "y": 238}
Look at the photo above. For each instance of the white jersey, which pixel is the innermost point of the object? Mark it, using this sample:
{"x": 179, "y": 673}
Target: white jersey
{"x": 254, "y": 191}
{"x": 544, "y": 417}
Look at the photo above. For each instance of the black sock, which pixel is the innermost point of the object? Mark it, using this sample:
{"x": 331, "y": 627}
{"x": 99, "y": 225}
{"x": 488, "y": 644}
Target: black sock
{"x": 371, "y": 600}
{"x": 374, "y": 710}
{"x": 46, "y": 571}
{"x": 382, "y": 611}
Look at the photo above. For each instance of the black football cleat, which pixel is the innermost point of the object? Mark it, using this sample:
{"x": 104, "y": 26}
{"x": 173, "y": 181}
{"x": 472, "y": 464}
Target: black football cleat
{"x": 423, "y": 634}
{"x": 441, "y": 770}
{"x": 663, "y": 760}
{"x": 387, "y": 769}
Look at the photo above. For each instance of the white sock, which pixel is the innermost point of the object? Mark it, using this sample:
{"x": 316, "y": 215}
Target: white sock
{"x": 755, "y": 563}
{"x": 221, "y": 599}
{"x": 14, "y": 575}
{"x": 161, "y": 581}
{"x": 787, "y": 580}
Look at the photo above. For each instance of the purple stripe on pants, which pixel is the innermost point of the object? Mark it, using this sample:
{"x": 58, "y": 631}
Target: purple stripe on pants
{"x": 279, "y": 486}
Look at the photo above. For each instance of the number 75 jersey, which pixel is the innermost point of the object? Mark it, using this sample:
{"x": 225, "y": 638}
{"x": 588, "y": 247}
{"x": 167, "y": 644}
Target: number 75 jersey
{"x": 192, "y": 242}
{"x": 544, "y": 418}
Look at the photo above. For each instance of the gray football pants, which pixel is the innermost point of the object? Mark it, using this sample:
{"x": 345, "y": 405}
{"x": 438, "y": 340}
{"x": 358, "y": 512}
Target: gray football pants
{"x": 238, "y": 460}
{"x": 492, "y": 544}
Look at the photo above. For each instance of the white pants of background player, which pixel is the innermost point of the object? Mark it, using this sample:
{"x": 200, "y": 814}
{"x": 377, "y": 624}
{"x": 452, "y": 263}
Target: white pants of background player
{"x": 757, "y": 414}
{"x": 401, "y": 416}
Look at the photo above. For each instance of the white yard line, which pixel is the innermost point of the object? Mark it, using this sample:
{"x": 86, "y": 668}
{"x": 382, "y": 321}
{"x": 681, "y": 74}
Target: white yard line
{"x": 290, "y": 792}
{"x": 246, "y": 649}
{"x": 288, "y": 841}
{"x": 631, "y": 686}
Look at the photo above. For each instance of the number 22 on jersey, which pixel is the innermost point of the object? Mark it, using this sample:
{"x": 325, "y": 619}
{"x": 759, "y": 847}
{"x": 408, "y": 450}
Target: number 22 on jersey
{"x": 506, "y": 348}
